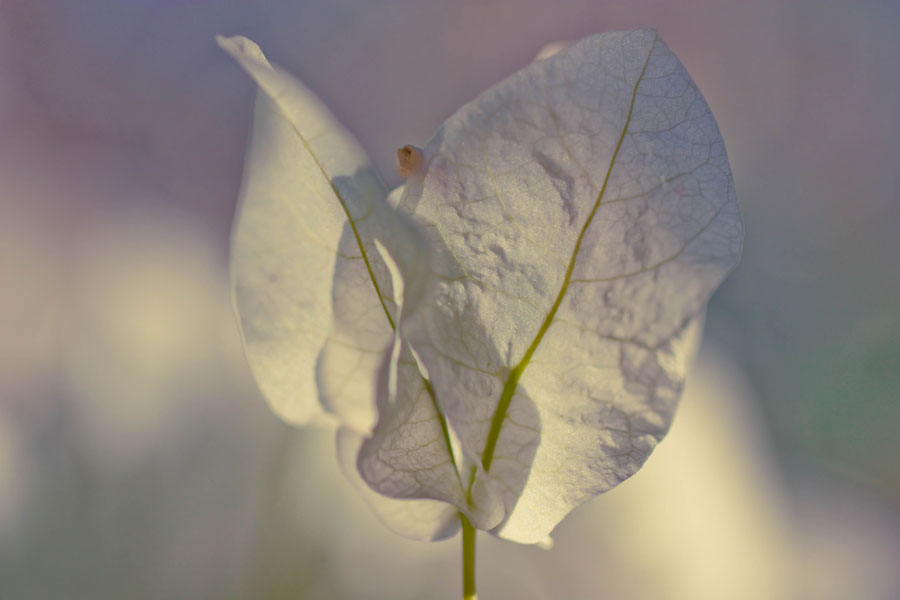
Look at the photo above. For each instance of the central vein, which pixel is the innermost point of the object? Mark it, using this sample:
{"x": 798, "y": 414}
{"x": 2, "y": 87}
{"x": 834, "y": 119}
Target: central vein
{"x": 343, "y": 203}
{"x": 512, "y": 381}
{"x": 365, "y": 256}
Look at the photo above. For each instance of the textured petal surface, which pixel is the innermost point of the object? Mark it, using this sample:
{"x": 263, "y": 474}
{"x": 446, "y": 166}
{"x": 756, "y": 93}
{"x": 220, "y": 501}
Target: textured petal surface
{"x": 586, "y": 212}
{"x": 408, "y": 454}
{"x": 427, "y": 520}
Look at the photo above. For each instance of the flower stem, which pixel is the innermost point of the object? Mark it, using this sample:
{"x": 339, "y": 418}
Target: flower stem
{"x": 468, "y": 558}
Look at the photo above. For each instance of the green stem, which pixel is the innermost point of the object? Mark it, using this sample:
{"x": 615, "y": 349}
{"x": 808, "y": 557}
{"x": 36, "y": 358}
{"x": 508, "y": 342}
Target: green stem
{"x": 468, "y": 558}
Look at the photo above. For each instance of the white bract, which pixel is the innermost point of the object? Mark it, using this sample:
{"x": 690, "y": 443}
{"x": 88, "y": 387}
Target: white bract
{"x": 506, "y": 336}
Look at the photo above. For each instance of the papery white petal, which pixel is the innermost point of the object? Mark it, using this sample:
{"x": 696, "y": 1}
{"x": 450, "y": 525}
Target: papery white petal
{"x": 585, "y": 212}
{"x": 418, "y": 519}
{"x": 304, "y": 175}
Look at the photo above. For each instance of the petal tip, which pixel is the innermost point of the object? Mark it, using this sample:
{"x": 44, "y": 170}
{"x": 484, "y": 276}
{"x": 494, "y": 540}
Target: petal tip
{"x": 239, "y": 46}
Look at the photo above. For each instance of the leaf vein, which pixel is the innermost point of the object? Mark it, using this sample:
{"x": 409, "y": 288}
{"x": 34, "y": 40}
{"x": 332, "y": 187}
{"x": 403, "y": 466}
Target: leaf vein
{"x": 516, "y": 373}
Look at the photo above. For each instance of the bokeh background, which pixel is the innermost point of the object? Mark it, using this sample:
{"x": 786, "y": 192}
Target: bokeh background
{"x": 137, "y": 459}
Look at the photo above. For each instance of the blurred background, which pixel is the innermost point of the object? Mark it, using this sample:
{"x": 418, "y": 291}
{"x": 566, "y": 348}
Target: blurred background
{"x": 137, "y": 459}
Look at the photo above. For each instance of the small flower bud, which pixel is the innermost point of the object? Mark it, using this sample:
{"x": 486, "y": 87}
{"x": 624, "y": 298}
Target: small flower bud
{"x": 409, "y": 160}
